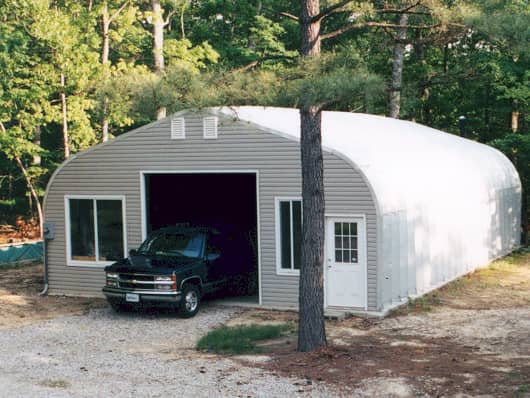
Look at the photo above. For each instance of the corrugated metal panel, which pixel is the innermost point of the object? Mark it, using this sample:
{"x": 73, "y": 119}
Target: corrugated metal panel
{"x": 115, "y": 168}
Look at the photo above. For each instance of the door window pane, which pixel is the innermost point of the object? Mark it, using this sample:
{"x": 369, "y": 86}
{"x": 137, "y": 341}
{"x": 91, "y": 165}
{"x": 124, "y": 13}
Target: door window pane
{"x": 110, "y": 230}
{"x": 346, "y": 242}
{"x": 285, "y": 234}
{"x": 297, "y": 233}
{"x": 82, "y": 237}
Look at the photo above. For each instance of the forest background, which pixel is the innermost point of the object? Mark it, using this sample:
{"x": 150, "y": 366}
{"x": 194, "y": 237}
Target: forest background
{"x": 77, "y": 73}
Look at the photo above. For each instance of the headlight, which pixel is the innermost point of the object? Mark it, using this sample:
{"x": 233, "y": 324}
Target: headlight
{"x": 166, "y": 282}
{"x": 112, "y": 275}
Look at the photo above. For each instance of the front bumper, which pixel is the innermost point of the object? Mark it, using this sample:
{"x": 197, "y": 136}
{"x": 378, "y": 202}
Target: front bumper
{"x": 149, "y": 297}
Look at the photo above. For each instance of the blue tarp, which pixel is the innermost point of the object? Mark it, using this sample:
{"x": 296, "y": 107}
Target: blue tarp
{"x": 21, "y": 252}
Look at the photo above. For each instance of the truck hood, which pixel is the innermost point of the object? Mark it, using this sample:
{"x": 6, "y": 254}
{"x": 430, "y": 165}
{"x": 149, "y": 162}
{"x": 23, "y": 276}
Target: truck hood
{"x": 159, "y": 265}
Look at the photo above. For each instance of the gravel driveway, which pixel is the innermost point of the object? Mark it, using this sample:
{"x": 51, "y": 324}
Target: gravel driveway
{"x": 129, "y": 355}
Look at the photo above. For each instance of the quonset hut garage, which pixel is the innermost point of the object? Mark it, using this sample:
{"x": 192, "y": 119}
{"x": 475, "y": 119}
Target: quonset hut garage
{"x": 408, "y": 208}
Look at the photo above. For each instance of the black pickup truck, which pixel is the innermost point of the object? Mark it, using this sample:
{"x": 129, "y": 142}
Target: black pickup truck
{"x": 175, "y": 266}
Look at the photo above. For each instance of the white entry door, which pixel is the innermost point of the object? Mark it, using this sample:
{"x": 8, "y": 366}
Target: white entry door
{"x": 346, "y": 262}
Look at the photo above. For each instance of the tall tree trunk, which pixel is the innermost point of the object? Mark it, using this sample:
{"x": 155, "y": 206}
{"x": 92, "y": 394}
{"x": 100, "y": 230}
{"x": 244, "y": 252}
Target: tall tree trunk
{"x": 36, "y": 140}
{"x": 105, "y": 121}
{"x": 397, "y": 69}
{"x": 33, "y": 192}
{"x": 105, "y": 27}
{"x": 182, "y": 27}
{"x": 158, "y": 47}
{"x": 515, "y": 121}
{"x": 106, "y": 20}
{"x": 311, "y": 330}
{"x": 105, "y": 50}
{"x": 66, "y": 141}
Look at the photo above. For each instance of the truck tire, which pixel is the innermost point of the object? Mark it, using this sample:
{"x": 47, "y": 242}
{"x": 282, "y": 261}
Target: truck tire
{"x": 191, "y": 300}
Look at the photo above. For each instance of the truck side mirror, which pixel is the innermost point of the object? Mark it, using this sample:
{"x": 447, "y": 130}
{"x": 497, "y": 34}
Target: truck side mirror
{"x": 213, "y": 254}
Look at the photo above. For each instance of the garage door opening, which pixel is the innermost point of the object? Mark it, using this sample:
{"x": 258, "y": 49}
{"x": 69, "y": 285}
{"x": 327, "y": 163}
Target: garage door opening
{"x": 223, "y": 201}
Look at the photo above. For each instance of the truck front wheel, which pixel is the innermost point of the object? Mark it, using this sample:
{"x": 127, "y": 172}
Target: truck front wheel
{"x": 191, "y": 300}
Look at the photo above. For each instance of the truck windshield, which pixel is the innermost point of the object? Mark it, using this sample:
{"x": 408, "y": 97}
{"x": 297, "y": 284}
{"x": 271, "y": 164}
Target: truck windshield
{"x": 173, "y": 244}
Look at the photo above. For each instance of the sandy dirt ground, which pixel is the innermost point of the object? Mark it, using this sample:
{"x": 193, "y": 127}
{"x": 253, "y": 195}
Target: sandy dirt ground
{"x": 20, "y": 303}
{"x": 469, "y": 339}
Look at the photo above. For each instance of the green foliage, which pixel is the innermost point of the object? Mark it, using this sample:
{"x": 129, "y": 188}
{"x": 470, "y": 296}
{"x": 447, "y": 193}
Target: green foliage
{"x": 239, "y": 340}
{"x": 470, "y": 58}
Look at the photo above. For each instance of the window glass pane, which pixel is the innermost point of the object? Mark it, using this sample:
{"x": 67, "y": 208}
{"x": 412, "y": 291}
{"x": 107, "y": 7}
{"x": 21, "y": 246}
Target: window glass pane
{"x": 345, "y": 228}
{"x": 337, "y": 228}
{"x": 338, "y": 256}
{"x": 353, "y": 243}
{"x": 354, "y": 256}
{"x": 285, "y": 234}
{"x": 353, "y": 228}
{"x": 345, "y": 256}
{"x": 346, "y": 242}
{"x": 338, "y": 242}
{"x": 297, "y": 233}
{"x": 110, "y": 230}
{"x": 82, "y": 229}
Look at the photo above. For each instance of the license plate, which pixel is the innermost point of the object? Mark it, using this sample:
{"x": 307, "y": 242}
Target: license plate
{"x": 132, "y": 298}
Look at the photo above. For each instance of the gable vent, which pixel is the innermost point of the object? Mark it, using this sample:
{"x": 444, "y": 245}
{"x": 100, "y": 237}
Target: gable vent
{"x": 178, "y": 128}
{"x": 209, "y": 125}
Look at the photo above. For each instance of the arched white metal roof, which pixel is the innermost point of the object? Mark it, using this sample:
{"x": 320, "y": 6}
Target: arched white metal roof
{"x": 407, "y": 164}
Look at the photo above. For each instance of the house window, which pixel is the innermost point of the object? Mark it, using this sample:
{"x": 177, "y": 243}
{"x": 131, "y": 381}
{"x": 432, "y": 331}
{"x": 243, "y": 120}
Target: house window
{"x": 288, "y": 235}
{"x": 95, "y": 230}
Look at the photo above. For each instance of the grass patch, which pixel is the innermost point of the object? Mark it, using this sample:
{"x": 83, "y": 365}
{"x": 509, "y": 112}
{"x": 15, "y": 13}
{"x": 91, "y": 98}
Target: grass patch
{"x": 55, "y": 383}
{"x": 237, "y": 340}
{"x": 522, "y": 389}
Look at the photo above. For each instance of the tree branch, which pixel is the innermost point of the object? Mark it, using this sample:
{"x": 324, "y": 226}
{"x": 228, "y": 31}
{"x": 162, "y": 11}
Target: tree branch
{"x": 345, "y": 29}
{"x": 256, "y": 62}
{"x": 330, "y": 10}
{"x": 2, "y": 127}
{"x": 117, "y": 12}
{"x": 283, "y": 14}
{"x": 169, "y": 16}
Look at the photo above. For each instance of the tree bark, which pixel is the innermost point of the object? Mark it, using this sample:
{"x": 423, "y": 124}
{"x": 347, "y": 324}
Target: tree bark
{"x": 36, "y": 140}
{"x": 66, "y": 141}
{"x": 158, "y": 47}
{"x": 311, "y": 330}
{"x": 106, "y": 20}
{"x": 105, "y": 50}
{"x": 515, "y": 121}
{"x": 105, "y": 121}
{"x": 33, "y": 192}
{"x": 397, "y": 69}
{"x": 105, "y": 27}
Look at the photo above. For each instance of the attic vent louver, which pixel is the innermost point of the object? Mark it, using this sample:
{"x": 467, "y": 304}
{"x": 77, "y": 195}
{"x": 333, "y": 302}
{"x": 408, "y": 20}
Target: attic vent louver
{"x": 209, "y": 125}
{"x": 178, "y": 128}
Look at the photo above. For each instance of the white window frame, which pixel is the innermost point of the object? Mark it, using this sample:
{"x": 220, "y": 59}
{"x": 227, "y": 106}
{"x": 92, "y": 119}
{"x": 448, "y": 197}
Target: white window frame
{"x": 94, "y": 198}
{"x": 279, "y": 269}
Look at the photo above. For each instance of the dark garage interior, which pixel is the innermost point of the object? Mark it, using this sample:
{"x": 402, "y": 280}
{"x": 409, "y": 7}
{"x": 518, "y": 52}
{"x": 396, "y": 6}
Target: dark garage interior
{"x": 224, "y": 201}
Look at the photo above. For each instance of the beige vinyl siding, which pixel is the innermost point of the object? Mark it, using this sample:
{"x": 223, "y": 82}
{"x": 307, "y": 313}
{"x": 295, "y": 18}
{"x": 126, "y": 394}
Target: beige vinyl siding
{"x": 114, "y": 169}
